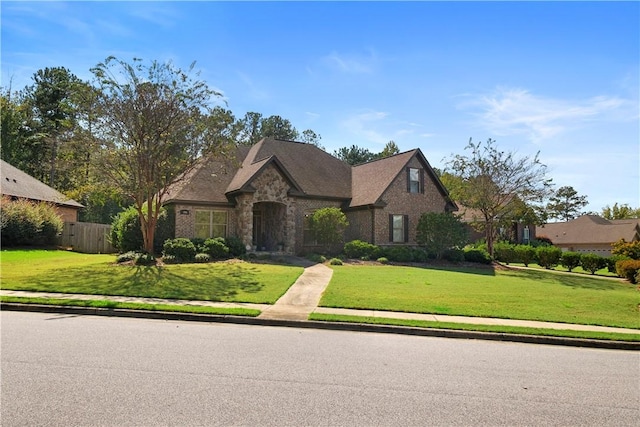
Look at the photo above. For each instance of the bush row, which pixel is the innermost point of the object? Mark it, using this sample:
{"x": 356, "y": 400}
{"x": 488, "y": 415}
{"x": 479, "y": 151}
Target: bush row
{"x": 358, "y": 249}
{"x": 201, "y": 250}
{"x": 27, "y": 223}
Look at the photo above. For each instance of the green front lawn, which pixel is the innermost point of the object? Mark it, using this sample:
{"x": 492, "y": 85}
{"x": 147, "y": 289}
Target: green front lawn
{"x": 70, "y": 272}
{"x": 512, "y": 294}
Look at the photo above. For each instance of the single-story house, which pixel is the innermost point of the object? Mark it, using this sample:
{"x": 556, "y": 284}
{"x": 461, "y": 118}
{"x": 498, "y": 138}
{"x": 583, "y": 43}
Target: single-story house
{"x": 590, "y": 233}
{"x": 266, "y": 194}
{"x": 515, "y": 232}
{"x": 17, "y": 184}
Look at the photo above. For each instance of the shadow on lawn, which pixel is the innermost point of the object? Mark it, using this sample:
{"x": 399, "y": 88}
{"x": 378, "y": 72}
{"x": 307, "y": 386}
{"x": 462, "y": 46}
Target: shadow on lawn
{"x": 574, "y": 281}
{"x": 482, "y": 270}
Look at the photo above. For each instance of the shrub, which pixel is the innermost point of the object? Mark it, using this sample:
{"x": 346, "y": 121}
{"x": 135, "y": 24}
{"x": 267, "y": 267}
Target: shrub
{"x": 419, "y": 255}
{"x": 126, "y": 232}
{"x": 438, "y": 232}
{"x": 316, "y": 258}
{"x": 235, "y": 245}
{"x": 145, "y": 259}
{"x": 328, "y": 225}
{"x": 628, "y": 249}
{"x": 335, "y": 261}
{"x": 216, "y": 248}
{"x": 182, "y": 248}
{"x": 127, "y": 256}
{"x": 360, "y": 249}
{"x": 526, "y": 254}
{"x": 628, "y": 269}
{"x": 504, "y": 252}
{"x": 399, "y": 254}
{"x": 383, "y": 260}
{"x": 477, "y": 256}
{"x": 612, "y": 260}
{"x": 570, "y": 260}
{"x": 592, "y": 262}
{"x": 24, "y": 222}
{"x": 202, "y": 258}
{"x": 198, "y": 242}
{"x": 548, "y": 256}
{"x": 453, "y": 255}
{"x": 541, "y": 241}
{"x": 170, "y": 259}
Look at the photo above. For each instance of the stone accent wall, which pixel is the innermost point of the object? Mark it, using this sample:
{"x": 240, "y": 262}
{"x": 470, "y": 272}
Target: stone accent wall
{"x": 401, "y": 202}
{"x": 271, "y": 187}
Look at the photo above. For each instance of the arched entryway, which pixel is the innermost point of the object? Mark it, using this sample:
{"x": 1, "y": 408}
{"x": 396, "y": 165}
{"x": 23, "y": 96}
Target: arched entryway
{"x": 269, "y": 226}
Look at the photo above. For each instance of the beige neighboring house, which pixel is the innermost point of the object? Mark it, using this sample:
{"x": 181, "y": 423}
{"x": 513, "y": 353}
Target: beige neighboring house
{"x": 266, "y": 195}
{"x": 17, "y": 184}
{"x": 590, "y": 233}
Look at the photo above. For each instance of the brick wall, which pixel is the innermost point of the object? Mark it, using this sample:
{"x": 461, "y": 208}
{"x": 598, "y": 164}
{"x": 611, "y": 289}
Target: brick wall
{"x": 186, "y": 219}
{"x": 400, "y": 202}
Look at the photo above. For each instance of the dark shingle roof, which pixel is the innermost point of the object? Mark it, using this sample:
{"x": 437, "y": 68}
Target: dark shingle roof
{"x": 315, "y": 172}
{"x": 16, "y": 183}
{"x": 590, "y": 229}
{"x": 370, "y": 180}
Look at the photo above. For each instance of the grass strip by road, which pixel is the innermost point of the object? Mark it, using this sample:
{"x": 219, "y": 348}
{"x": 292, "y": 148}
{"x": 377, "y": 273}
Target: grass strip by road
{"x": 485, "y": 292}
{"x": 232, "y": 311}
{"x": 479, "y": 328}
{"x": 70, "y": 272}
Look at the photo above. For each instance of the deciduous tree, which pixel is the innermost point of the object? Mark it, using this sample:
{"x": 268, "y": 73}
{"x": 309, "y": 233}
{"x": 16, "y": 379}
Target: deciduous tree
{"x": 623, "y": 211}
{"x": 438, "y": 232}
{"x": 491, "y": 181}
{"x": 153, "y": 126}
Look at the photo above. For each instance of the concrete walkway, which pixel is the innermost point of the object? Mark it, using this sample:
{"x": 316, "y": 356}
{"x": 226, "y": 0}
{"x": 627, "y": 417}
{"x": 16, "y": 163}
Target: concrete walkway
{"x": 303, "y": 297}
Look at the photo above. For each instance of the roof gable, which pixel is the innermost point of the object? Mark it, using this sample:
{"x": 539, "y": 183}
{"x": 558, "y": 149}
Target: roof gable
{"x": 19, "y": 184}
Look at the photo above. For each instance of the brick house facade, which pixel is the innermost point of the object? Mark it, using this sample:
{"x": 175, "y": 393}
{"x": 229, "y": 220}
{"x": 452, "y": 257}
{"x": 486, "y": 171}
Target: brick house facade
{"x": 266, "y": 194}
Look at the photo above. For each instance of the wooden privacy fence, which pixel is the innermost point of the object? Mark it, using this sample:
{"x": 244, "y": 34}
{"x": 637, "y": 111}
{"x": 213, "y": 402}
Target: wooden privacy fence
{"x": 87, "y": 237}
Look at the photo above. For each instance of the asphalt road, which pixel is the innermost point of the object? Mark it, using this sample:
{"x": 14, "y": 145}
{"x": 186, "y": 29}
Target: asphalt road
{"x": 62, "y": 370}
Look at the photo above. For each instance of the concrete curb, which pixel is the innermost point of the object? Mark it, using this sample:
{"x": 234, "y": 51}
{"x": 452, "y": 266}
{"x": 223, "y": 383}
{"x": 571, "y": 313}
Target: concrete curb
{"x": 338, "y": 326}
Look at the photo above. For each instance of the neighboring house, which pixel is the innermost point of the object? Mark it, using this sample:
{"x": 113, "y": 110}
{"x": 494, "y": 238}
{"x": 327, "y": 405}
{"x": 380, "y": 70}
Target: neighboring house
{"x": 516, "y": 232}
{"x": 17, "y": 184}
{"x": 266, "y": 195}
{"x": 590, "y": 233}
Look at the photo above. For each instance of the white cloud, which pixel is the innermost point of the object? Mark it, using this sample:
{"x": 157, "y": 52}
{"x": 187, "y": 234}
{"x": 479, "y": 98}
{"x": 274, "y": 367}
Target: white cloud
{"x": 351, "y": 63}
{"x": 363, "y": 126}
{"x": 515, "y": 111}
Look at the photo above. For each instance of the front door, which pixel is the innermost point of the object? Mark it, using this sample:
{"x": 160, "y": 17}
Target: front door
{"x": 258, "y": 234}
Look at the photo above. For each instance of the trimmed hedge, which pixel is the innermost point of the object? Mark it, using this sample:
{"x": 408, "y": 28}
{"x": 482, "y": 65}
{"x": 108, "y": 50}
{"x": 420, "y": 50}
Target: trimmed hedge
{"x": 216, "y": 248}
{"x": 570, "y": 260}
{"x": 181, "y": 248}
{"x": 526, "y": 254}
{"x": 477, "y": 255}
{"x": 548, "y": 256}
{"x": 359, "y": 249}
{"x": 592, "y": 262}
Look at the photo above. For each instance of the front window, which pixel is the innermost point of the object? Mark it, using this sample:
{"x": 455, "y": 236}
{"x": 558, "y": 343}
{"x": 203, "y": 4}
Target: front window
{"x": 525, "y": 234}
{"x": 414, "y": 180}
{"x": 398, "y": 228}
{"x": 211, "y": 224}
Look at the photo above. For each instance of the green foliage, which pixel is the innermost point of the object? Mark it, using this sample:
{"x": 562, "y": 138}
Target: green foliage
{"x": 525, "y": 254}
{"x": 383, "y": 260}
{"x": 359, "y": 249}
{"x": 216, "y": 248}
{"x": 236, "y": 247}
{"x": 170, "y": 259}
{"x": 399, "y": 253}
{"x": 570, "y": 260}
{"x": 548, "y": 256}
{"x": 317, "y": 258}
{"x": 504, "y": 252}
{"x": 127, "y": 256}
{"x": 419, "y": 255}
{"x": 479, "y": 256}
{"x": 126, "y": 232}
{"x": 628, "y": 249}
{"x": 591, "y": 262}
{"x": 335, "y": 261}
{"x": 612, "y": 260}
{"x": 145, "y": 259}
{"x": 182, "y": 248}
{"x": 202, "y": 258}
{"x": 453, "y": 255}
{"x": 328, "y": 225}
{"x": 565, "y": 204}
{"x": 23, "y": 222}
{"x": 623, "y": 211}
{"x": 438, "y": 232}
{"x": 541, "y": 241}
{"x": 628, "y": 269}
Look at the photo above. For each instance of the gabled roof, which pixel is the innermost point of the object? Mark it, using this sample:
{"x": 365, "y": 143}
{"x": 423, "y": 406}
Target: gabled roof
{"x": 591, "y": 229}
{"x": 371, "y": 180}
{"x": 16, "y": 183}
{"x": 312, "y": 171}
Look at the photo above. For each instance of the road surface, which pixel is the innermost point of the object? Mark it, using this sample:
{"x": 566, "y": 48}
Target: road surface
{"x": 81, "y": 370}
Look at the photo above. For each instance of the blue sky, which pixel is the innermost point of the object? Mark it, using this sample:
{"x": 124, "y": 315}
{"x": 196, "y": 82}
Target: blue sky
{"x": 561, "y": 78}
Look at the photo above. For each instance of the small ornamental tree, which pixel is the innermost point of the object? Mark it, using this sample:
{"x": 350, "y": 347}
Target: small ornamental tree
{"x": 526, "y": 254}
{"x": 628, "y": 249}
{"x": 438, "y": 232}
{"x": 327, "y": 226}
{"x": 592, "y": 262}
{"x": 548, "y": 256}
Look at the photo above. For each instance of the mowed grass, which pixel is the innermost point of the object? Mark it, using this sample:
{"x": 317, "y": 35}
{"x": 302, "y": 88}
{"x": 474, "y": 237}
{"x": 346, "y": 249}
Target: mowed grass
{"x": 70, "y": 272}
{"x": 511, "y": 294}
